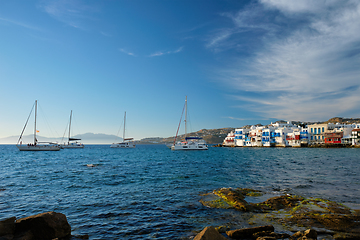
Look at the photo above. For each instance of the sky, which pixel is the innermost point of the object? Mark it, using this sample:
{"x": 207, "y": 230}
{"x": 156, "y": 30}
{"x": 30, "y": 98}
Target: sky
{"x": 238, "y": 63}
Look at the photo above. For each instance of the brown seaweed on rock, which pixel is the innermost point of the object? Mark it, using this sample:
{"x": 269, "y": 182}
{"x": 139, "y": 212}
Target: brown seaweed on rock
{"x": 289, "y": 210}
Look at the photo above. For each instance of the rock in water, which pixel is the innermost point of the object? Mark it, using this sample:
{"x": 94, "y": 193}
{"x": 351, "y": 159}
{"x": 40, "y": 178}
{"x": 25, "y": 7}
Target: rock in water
{"x": 209, "y": 233}
{"x": 248, "y": 232}
{"x": 44, "y": 226}
{"x": 7, "y": 226}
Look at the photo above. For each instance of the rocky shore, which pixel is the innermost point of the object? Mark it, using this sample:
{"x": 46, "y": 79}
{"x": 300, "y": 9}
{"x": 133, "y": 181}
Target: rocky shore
{"x": 294, "y": 217}
{"x": 303, "y": 218}
{"x": 44, "y": 226}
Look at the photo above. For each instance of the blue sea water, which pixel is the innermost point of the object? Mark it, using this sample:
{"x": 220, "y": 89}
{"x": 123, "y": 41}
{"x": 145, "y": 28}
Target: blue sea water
{"x": 151, "y": 192}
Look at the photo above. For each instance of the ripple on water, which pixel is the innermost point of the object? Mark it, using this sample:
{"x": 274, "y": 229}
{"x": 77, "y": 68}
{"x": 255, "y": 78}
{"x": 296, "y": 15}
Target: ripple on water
{"x": 152, "y": 192}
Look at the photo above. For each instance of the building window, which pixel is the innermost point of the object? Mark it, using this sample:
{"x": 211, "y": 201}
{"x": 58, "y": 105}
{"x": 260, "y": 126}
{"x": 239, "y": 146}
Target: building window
{"x": 315, "y": 137}
{"x": 312, "y": 138}
{"x": 323, "y": 129}
{"x": 319, "y": 130}
{"x": 323, "y": 137}
{"x": 314, "y": 130}
{"x": 311, "y": 130}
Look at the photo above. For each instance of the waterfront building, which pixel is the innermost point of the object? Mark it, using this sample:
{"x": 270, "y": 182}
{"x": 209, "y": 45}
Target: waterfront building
{"x": 240, "y": 135}
{"x": 229, "y": 140}
{"x": 304, "y": 137}
{"x": 333, "y": 137}
{"x": 317, "y": 132}
{"x": 293, "y": 138}
{"x": 281, "y": 134}
{"x": 355, "y": 136}
{"x": 255, "y": 136}
{"x": 268, "y": 137}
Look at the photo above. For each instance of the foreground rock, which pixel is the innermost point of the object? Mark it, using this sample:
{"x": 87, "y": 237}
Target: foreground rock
{"x": 49, "y": 225}
{"x": 291, "y": 211}
{"x": 258, "y": 233}
{"x": 248, "y": 232}
{"x": 209, "y": 233}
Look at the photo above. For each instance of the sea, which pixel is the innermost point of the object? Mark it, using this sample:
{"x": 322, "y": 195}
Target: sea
{"x": 151, "y": 192}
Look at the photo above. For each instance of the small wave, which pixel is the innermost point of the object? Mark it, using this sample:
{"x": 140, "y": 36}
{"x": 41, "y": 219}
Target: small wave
{"x": 302, "y": 186}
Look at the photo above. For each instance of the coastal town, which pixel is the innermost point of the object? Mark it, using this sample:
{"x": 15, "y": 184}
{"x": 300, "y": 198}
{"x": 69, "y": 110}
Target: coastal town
{"x": 290, "y": 134}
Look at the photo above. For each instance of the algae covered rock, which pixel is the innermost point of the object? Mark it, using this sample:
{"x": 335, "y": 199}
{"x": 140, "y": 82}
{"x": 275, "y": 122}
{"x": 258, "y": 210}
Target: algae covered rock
{"x": 288, "y": 210}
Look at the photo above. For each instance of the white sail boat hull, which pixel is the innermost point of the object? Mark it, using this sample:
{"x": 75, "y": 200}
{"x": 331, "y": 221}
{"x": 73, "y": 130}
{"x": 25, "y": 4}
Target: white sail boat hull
{"x": 70, "y": 143}
{"x": 123, "y": 145}
{"x": 193, "y": 145}
{"x": 73, "y": 145}
{"x": 36, "y": 146}
{"x": 127, "y": 142}
{"x": 39, "y": 147}
{"x": 190, "y": 143}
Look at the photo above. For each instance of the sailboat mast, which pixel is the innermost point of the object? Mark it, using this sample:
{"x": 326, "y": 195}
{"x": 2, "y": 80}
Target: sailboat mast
{"x": 185, "y": 116}
{"x": 70, "y": 126}
{"x": 124, "y": 126}
{"x": 35, "y": 122}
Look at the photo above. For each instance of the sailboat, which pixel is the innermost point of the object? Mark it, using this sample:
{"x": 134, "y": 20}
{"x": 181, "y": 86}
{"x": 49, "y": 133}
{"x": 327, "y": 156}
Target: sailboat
{"x": 71, "y": 143}
{"x": 190, "y": 143}
{"x": 127, "y": 142}
{"x": 36, "y": 146}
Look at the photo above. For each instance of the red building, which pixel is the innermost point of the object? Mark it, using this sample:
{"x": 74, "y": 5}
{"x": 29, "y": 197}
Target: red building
{"x": 333, "y": 137}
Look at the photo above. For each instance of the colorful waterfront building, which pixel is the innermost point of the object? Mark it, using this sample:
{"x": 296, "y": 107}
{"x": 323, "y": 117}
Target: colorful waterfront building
{"x": 317, "y": 132}
{"x": 229, "y": 140}
{"x": 268, "y": 137}
{"x": 240, "y": 135}
{"x": 355, "y": 136}
{"x": 293, "y": 138}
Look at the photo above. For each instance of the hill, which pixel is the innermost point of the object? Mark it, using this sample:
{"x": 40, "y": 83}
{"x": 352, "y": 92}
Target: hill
{"x": 87, "y": 138}
{"x": 211, "y": 136}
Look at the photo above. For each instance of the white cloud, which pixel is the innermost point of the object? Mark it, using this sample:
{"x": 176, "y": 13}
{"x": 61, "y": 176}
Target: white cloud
{"x": 127, "y": 52}
{"x": 306, "y": 64}
{"x": 74, "y": 13}
{"x": 161, "y": 53}
{"x": 21, "y": 24}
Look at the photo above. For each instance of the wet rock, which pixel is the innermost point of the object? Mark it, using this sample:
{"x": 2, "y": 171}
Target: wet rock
{"x": 307, "y": 234}
{"x": 209, "y": 233}
{"x": 222, "y": 229}
{"x": 236, "y": 198}
{"x": 266, "y": 238}
{"x": 346, "y": 236}
{"x": 43, "y": 226}
{"x": 28, "y": 235}
{"x": 310, "y": 233}
{"x": 7, "y": 226}
{"x": 289, "y": 210}
{"x": 280, "y": 202}
{"x": 270, "y": 234}
{"x": 248, "y": 232}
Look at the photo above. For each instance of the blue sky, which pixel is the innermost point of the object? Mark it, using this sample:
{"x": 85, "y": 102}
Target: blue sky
{"x": 239, "y": 62}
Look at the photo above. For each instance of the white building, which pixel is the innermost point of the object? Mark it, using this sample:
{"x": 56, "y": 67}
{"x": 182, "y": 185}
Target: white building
{"x": 229, "y": 140}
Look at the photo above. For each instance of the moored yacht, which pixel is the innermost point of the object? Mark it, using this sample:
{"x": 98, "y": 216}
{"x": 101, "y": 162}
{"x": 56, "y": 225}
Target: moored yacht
{"x": 36, "y": 146}
{"x": 72, "y": 142}
{"x": 190, "y": 143}
{"x": 127, "y": 142}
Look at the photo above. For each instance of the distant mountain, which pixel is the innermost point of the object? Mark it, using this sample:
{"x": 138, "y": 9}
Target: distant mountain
{"x": 211, "y": 136}
{"x": 86, "y": 138}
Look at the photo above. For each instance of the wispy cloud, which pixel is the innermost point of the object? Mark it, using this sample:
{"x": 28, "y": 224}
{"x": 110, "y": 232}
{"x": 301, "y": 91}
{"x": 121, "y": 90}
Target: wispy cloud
{"x": 127, "y": 52}
{"x": 20, "y": 24}
{"x": 74, "y": 13}
{"x": 161, "y": 53}
{"x": 247, "y": 119}
{"x": 304, "y": 57}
